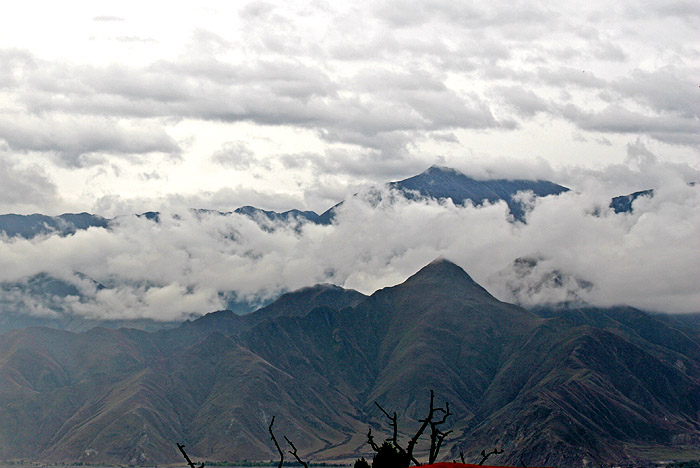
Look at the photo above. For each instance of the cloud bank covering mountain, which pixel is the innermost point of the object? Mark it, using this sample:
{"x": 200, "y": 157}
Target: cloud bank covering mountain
{"x": 295, "y": 105}
{"x": 185, "y": 263}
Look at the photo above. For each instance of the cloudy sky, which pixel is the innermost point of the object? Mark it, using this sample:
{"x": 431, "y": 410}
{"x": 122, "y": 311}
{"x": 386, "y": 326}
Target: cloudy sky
{"x": 114, "y": 106}
{"x": 122, "y": 107}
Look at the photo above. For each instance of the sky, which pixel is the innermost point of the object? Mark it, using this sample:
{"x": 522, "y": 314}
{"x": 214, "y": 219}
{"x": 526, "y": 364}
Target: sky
{"x": 117, "y": 108}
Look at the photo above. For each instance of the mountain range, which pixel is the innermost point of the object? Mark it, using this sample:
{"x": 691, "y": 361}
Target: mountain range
{"x": 51, "y": 295}
{"x": 436, "y": 182}
{"x": 569, "y": 386}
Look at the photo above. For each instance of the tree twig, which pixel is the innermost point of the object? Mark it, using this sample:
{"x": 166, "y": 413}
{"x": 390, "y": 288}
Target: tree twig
{"x": 394, "y": 425}
{"x": 187, "y": 458}
{"x": 370, "y": 440}
{"x": 294, "y": 452}
{"x": 485, "y": 455}
{"x": 274, "y": 439}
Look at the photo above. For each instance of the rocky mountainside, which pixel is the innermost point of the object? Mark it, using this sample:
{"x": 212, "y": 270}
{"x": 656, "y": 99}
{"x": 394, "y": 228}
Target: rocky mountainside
{"x": 556, "y": 388}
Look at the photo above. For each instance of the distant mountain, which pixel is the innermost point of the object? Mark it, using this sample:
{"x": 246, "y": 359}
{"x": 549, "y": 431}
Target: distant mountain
{"x": 443, "y": 183}
{"x": 561, "y": 388}
{"x": 29, "y": 226}
{"x": 274, "y": 216}
{"x": 529, "y": 283}
{"x": 623, "y": 203}
{"x": 43, "y": 300}
{"x": 33, "y": 302}
{"x": 436, "y": 182}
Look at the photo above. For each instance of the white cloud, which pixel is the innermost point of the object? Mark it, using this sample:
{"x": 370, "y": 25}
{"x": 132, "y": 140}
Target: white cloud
{"x": 296, "y": 104}
{"x": 180, "y": 266}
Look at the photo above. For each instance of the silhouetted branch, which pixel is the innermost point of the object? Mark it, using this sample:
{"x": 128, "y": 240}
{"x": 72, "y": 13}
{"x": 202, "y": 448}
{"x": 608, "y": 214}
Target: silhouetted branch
{"x": 184, "y": 454}
{"x": 461, "y": 455}
{"x": 274, "y": 439}
{"x": 294, "y": 452}
{"x": 486, "y": 455}
{"x": 414, "y": 440}
{"x": 371, "y": 442}
{"x": 436, "y": 435}
{"x": 394, "y": 425}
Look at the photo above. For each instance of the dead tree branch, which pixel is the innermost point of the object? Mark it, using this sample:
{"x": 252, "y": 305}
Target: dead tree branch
{"x": 294, "y": 452}
{"x": 395, "y": 432}
{"x": 485, "y": 455}
{"x": 414, "y": 440}
{"x": 187, "y": 458}
{"x": 274, "y": 439}
{"x": 394, "y": 426}
{"x": 371, "y": 442}
{"x": 436, "y": 435}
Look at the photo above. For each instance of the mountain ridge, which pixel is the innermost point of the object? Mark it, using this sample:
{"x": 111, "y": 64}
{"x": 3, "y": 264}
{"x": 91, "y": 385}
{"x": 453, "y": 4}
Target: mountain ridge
{"x": 549, "y": 389}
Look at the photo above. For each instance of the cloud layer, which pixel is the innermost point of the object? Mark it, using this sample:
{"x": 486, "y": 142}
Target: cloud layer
{"x": 116, "y": 110}
{"x": 191, "y": 263}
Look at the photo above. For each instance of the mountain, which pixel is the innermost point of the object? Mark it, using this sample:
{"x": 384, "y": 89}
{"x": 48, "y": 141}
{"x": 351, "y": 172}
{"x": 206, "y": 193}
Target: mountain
{"x": 29, "y": 226}
{"x": 436, "y": 182}
{"x": 623, "y": 203}
{"x": 284, "y": 217}
{"x": 558, "y": 388}
{"x": 443, "y": 182}
{"x": 44, "y": 300}
{"x": 32, "y": 301}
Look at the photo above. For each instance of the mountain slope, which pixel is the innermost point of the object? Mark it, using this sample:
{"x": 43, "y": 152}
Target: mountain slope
{"x": 442, "y": 182}
{"x": 557, "y": 389}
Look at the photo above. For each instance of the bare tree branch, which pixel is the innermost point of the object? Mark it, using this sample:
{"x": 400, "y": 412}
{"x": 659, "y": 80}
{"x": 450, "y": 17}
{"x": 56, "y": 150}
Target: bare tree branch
{"x": 274, "y": 439}
{"x": 294, "y": 452}
{"x": 187, "y": 458}
{"x": 485, "y": 455}
{"x": 436, "y": 435}
{"x": 414, "y": 440}
{"x": 394, "y": 425}
{"x": 371, "y": 442}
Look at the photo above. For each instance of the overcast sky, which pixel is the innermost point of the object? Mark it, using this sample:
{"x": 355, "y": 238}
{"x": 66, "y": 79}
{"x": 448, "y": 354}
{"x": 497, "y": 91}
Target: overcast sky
{"x": 123, "y": 107}
{"x": 112, "y": 107}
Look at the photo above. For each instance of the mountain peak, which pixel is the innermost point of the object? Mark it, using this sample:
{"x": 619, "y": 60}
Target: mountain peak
{"x": 444, "y": 273}
{"x": 436, "y": 168}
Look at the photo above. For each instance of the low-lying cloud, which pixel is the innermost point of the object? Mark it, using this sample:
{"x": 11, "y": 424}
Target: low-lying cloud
{"x": 192, "y": 263}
